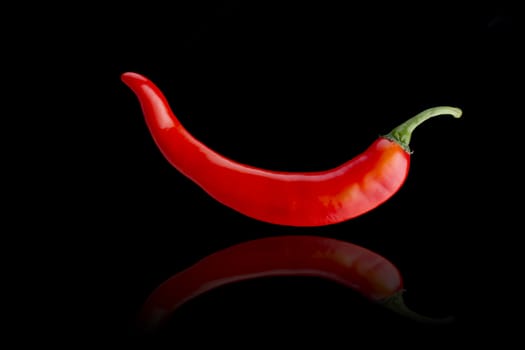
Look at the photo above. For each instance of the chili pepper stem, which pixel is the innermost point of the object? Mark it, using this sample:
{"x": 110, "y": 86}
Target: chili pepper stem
{"x": 396, "y": 304}
{"x": 402, "y": 133}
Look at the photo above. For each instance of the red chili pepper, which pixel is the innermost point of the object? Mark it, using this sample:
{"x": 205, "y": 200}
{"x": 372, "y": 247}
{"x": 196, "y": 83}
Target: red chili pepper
{"x": 284, "y": 198}
{"x": 353, "y": 266}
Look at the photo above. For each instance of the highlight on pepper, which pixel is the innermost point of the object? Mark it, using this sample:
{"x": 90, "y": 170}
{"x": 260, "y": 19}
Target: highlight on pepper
{"x": 279, "y": 197}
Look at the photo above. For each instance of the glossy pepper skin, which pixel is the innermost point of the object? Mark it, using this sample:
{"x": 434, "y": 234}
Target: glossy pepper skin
{"x": 278, "y": 197}
{"x": 353, "y": 266}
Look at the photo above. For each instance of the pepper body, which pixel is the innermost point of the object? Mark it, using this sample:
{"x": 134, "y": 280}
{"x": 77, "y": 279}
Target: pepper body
{"x": 277, "y": 197}
{"x": 353, "y": 266}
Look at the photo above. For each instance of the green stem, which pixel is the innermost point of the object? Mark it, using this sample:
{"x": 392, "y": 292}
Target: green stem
{"x": 403, "y": 132}
{"x": 395, "y": 303}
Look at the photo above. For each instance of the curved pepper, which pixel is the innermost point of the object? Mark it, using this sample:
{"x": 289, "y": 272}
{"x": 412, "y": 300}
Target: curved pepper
{"x": 284, "y": 198}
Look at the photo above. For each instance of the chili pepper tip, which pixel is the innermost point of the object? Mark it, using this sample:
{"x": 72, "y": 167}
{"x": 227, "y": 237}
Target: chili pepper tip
{"x": 128, "y": 77}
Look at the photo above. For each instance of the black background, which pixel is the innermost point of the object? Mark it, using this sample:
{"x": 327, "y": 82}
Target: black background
{"x": 297, "y": 87}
